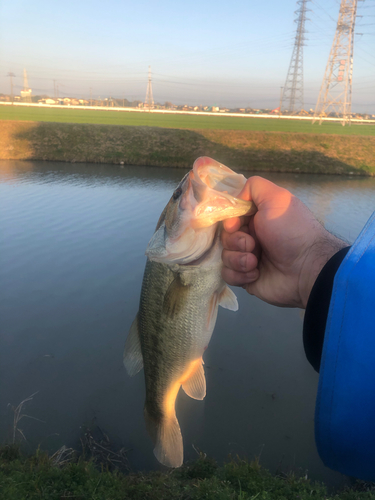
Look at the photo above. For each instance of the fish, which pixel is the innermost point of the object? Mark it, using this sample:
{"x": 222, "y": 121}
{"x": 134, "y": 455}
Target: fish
{"x": 181, "y": 291}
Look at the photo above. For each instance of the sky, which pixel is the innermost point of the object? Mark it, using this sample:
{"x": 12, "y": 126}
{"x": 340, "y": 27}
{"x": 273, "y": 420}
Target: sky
{"x": 233, "y": 54}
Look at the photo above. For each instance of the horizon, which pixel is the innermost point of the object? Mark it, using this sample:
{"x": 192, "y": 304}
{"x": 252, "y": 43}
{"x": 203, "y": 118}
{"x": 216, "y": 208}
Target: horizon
{"x": 235, "y": 59}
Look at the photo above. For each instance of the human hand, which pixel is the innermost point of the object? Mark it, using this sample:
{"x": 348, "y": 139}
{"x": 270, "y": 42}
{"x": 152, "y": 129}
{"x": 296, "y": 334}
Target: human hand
{"x": 278, "y": 253}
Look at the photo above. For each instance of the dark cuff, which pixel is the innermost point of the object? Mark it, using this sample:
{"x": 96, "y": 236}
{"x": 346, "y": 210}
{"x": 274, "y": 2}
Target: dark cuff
{"x": 316, "y": 314}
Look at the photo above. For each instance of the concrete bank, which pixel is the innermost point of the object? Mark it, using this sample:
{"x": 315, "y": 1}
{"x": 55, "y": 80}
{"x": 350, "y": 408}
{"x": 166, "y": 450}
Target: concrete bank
{"x": 154, "y": 146}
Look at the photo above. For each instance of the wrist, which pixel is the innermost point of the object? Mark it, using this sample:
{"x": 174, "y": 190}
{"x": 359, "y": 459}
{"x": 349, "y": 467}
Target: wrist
{"x": 316, "y": 257}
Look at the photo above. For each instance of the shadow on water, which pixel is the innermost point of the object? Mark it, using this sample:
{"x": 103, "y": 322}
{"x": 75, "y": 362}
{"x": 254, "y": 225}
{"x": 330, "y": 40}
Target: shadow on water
{"x": 71, "y": 269}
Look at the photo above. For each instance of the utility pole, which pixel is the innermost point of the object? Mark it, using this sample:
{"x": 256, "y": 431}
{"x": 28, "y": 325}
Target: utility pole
{"x": 149, "y": 102}
{"x": 54, "y": 89}
{"x": 90, "y": 96}
{"x": 336, "y": 91}
{"x": 11, "y": 75}
{"x": 293, "y": 89}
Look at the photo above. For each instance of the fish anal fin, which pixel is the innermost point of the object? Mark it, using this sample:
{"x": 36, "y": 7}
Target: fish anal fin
{"x": 228, "y": 299}
{"x": 133, "y": 359}
{"x": 175, "y": 298}
{"x": 195, "y": 385}
{"x": 166, "y": 434}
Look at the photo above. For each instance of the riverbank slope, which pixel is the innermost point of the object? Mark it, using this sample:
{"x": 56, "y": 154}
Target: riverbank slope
{"x": 165, "y": 147}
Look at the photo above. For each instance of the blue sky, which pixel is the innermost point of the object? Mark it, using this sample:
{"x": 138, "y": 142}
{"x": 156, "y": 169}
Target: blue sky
{"x": 201, "y": 52}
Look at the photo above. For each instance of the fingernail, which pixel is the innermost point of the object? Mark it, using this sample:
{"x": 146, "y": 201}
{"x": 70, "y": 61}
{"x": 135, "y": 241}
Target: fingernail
{"x": 243, "y": 261}
{"x": 251, "y": 276}
{"x": 242, "y": 244}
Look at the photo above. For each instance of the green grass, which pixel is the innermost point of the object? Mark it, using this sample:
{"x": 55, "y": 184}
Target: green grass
{"x": 37, "y": 477}
{"x": 192, "y": 122}
{"x": 172, "y": 147}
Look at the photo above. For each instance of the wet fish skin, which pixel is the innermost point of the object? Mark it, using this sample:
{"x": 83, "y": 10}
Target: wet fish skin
{"x": 179, "y": 303}
{"x": 177, "y": 298}
{"x": 176, "y": 318}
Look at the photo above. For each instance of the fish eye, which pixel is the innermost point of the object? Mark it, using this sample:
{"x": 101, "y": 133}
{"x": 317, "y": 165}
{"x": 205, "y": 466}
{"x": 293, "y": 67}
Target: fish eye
{"x": 177, "y": 193}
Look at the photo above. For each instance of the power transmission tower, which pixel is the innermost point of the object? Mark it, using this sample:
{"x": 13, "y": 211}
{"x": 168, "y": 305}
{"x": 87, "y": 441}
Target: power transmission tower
{"x": 292, "y": 98}
{"x": 149, "y": 102}
{"x": 11, "y": 76}
{"x": 26, "y": 92}
{"x": 335, "y": 94}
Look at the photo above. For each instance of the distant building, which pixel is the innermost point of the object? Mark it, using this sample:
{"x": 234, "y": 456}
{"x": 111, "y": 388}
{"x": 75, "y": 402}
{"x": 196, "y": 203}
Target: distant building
{"x": 47, "y": 101}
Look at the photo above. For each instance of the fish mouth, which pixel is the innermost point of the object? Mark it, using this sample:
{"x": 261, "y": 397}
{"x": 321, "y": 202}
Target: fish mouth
{"x": 216, "y": 189}
{"x": 187, "y": 229}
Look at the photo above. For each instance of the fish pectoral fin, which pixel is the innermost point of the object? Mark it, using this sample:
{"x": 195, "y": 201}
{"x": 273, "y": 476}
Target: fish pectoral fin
{"x": 195, "y": 385}
{"x": 133, "y": 359}
{"x": 175, "y": 298}
{"x": 166, "y": 434}
{"x": 228, "y": 299}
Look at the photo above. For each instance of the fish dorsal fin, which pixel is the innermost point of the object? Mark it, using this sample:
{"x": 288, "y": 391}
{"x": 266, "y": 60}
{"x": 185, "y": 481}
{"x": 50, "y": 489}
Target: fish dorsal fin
{"x": 133, "y": 359}
{"x": 195, "y": 385}
{"x": 228, "y": 299}
{"x": 175, "y": 298}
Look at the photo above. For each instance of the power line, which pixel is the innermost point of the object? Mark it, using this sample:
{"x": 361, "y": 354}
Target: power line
{"x": 293, "y": 89}
{"x": 149, "y": 101}
{"x": 336, "y": 91}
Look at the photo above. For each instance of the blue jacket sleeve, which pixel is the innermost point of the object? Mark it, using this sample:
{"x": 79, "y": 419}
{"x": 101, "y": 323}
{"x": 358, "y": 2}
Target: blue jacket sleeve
{"x": 345, "y": 406}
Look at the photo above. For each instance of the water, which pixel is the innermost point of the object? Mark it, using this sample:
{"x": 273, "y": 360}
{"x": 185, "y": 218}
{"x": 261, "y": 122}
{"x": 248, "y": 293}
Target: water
{"x": 71, "y": 265}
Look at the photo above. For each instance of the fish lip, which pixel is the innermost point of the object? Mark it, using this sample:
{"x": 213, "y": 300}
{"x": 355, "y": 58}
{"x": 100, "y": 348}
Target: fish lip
{"x": 209, "y": 196}
{"x": 216, "y": 201}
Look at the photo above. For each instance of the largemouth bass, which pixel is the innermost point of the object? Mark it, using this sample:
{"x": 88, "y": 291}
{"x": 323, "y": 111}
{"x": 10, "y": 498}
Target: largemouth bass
{"x": 181, "y": 292}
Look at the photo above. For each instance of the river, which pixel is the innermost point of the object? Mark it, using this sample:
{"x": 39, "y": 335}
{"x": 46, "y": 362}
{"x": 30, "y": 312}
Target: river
{"x": 73, "y": 238}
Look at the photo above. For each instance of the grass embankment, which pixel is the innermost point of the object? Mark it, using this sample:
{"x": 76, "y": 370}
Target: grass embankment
{"x": 165, "y": 147}
{"x": 40, "y": 477}
{"x": 181, "y": 121}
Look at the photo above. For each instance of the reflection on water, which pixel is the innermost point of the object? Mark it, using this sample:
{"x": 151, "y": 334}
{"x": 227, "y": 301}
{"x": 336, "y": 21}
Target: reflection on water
{"x": 71, "y": 265}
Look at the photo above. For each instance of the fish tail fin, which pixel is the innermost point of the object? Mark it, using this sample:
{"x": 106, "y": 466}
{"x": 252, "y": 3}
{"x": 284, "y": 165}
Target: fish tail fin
{"x": 167, "y": 438}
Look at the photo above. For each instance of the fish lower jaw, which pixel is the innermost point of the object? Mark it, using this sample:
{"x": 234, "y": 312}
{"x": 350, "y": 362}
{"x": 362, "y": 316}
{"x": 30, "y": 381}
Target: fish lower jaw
{"x": 211, "y": 257}
{"x": 205, "y": 260}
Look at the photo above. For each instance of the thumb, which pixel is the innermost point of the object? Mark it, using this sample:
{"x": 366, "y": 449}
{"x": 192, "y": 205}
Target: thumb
{"x": 263, "y": 192}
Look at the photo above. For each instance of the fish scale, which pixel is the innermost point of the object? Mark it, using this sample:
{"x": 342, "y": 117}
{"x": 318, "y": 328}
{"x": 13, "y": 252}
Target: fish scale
{"x": 181, "y": 292}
